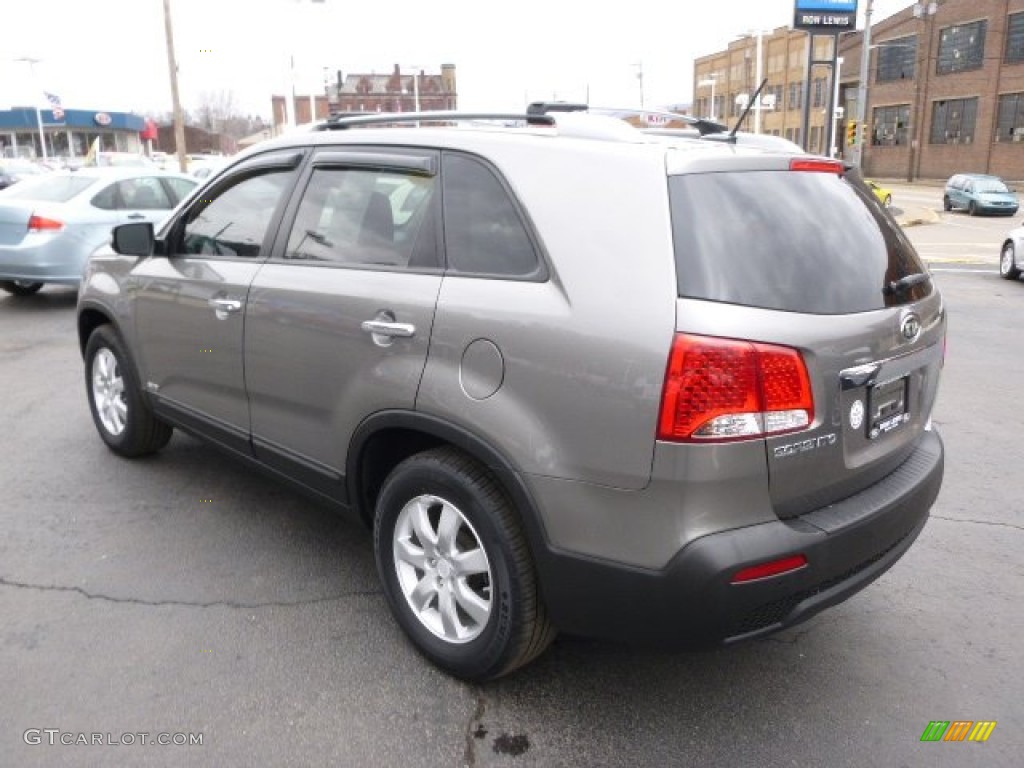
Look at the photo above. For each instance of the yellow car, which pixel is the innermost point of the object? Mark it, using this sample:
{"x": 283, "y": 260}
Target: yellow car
{"x": 883, "y": 194}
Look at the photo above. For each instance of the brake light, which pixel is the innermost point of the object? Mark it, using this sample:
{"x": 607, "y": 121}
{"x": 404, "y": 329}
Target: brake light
{"x": 43, "y": 224}
{"x": 726, "y": 389}
{"x": 816, "y": 165}
{"x": 773, "y": 568}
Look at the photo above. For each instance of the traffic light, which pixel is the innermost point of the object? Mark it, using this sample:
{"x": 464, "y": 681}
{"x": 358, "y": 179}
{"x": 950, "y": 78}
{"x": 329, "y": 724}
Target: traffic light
{"x": 851, "y": 133}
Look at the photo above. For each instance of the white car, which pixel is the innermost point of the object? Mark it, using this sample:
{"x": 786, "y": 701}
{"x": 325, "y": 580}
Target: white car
{"x": 1011, "y": 263}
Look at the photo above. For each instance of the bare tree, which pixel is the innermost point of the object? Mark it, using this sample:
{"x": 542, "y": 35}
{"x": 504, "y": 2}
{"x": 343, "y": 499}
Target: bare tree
{"x": 215, "y": 109}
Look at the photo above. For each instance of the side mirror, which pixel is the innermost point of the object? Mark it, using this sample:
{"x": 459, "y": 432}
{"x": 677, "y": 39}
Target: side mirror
{"x": 135, "y": 239}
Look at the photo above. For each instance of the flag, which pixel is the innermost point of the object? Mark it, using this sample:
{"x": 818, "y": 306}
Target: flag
{"x": 58, "y": 110}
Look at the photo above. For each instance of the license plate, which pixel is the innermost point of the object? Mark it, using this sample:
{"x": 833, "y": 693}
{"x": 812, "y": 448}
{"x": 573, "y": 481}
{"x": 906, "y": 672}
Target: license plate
{"x": 887, "y": 404}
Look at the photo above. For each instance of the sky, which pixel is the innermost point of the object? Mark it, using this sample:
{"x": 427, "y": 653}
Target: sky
{"x": 111, "y": 55}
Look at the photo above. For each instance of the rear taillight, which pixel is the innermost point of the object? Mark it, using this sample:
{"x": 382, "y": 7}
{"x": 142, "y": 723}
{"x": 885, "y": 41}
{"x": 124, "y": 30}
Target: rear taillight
{"x": 727, "y": 389}
{"x": 43, "y": 224}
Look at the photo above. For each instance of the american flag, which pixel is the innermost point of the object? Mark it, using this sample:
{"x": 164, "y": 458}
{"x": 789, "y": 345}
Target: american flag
{"x": 58, "y": 110}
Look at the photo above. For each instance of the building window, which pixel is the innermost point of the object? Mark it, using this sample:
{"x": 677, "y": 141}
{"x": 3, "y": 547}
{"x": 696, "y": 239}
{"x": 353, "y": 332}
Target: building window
{"x": 1010, "y": 122}
{"x": 1015, "y": 37}
{"x": 889, "y": 126}
{"x": 961, "y": 47}
{"x": 953, "y": 121}
{"x": 796, "y": 95}
{"x": 819, "y": 93}
{"x": 896, "y": 59}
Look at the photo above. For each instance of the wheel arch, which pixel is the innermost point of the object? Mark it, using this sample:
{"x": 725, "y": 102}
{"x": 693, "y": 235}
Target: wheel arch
{"x": 91, "y": 317}
{"x": 386, "y": 438}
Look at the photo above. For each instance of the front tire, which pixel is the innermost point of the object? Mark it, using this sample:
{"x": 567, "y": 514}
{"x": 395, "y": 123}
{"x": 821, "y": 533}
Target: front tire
{"x": 456, "y": 567}
{"x": 972, "y": 208}
{"x": 20, "y": 287}
{"x": 119, "y": 409}
{"x": 947, "y": 204}
{"x": 1008, "y": 269}
{"x": 888, "y": 199}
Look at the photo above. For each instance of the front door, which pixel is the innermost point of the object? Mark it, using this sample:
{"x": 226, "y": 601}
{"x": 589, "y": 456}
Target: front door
{"x": 190, "y": 300}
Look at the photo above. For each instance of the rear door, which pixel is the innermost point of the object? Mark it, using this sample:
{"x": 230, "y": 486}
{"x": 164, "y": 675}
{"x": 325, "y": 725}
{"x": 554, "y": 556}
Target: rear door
{"x": 338, "y": 322}
{"x": 812, "y": 261}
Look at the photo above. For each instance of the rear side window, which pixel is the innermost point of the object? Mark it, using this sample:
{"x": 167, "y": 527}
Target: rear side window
{"x": 53, "y": 189}
{"x": 366, "y": 217}
{"x": 483, "y": 231}
{"x": 789, "y": 240}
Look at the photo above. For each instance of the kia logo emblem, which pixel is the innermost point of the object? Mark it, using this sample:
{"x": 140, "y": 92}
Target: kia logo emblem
{"x": 910, "y": 327}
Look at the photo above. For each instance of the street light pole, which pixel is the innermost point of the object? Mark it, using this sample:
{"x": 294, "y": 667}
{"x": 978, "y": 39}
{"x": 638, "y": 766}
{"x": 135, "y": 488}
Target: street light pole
{"x": 834, "y": 149}
{"x": 703, "y": 84}
{"x": 862, "y": 87}
{"x": 35, "y": 100}
{"x": 172, "y": 65}
{"x": 758, "y": 77}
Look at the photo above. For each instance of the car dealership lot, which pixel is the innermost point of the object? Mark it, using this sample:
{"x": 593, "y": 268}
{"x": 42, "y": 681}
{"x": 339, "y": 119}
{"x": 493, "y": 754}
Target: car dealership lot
{"x": 187, "y": 594}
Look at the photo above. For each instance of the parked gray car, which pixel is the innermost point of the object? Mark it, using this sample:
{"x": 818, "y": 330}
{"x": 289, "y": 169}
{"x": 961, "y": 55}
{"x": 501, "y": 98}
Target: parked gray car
{"x": 664, "y": 392}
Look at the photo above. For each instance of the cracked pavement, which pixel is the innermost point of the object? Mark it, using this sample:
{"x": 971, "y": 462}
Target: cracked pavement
{"x": 129, "y": 603}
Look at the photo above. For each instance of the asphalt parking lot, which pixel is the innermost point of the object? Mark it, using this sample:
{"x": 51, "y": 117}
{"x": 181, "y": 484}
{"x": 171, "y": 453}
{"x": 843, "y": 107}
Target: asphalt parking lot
{"x": 185, "y": 594}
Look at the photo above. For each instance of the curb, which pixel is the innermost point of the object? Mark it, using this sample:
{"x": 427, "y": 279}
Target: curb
{"x": 922, "y": 216}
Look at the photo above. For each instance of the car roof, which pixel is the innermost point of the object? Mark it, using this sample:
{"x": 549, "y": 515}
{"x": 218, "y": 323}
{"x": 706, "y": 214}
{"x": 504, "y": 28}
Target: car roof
{"x": 587, "y": 132}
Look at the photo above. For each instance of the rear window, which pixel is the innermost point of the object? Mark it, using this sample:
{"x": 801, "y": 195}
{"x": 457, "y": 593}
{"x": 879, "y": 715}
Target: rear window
{"x": 53, "y": 189}
{"x": 796, "y": 241}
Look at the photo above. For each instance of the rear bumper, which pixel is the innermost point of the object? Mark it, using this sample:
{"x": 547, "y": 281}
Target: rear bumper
{"x": 691, "y": 601}
{"x": 45, "y": 259}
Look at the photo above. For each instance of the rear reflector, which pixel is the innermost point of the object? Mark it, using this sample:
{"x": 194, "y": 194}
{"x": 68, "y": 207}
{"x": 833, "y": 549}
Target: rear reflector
{"x": 821, "y": 166}
{"x": 726, "y": 389}
{"x": 773, "y": 568}
{"x": 43, "y": 224}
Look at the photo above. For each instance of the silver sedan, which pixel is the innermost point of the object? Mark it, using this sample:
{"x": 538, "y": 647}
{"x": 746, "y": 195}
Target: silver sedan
{"x": 49, "y": 225}
{"x": 1011, "y": 257}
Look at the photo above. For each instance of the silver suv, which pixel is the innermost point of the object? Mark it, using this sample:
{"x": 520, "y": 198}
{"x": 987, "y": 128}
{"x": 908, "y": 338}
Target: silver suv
{"x": 672, "y": 392}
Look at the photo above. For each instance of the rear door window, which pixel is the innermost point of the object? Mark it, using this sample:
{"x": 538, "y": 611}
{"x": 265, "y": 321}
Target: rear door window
{"x": 789, "y": 240}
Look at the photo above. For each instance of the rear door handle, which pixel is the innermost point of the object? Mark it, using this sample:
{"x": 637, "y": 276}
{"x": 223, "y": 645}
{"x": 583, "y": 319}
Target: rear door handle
{"x": 385, "y": 328}
{"x": 136, "y": 216}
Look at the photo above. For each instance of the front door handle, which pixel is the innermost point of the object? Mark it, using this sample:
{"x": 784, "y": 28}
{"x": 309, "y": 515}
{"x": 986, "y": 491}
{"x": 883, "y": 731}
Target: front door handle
{"x": 223, "y": 307}
{"x": 136, "y": 216}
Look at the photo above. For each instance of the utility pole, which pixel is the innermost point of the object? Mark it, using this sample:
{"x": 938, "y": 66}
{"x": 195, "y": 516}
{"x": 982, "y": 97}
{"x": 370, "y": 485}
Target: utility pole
{"x": 172, "y": 65}
{"x": 862, "y": 88}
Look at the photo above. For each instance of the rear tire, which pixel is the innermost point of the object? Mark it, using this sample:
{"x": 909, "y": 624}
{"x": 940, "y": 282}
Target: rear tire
{"x": 20, "y": 287}
{"x": 456, "y": 567}
{"x": 1008, "y": 269}
{"x": 119, "y": 408}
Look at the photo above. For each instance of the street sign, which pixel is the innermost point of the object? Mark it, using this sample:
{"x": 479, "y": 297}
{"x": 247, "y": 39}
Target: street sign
{"x": 825, "y": 15}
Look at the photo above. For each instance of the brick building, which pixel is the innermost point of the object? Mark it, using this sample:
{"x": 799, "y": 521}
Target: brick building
{"x": 395, "y": 92}
{"x": 784, "y": 64}
{"x": 945, "y": 90}
{"x": 197, "y": 141}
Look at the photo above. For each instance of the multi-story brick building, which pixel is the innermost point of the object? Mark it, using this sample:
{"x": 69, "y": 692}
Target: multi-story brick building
{"x": 370, "y": 92}
{"x": 396, "y": 92}
{"x": 784, "y": 64}
{"x": 945, "y": 88}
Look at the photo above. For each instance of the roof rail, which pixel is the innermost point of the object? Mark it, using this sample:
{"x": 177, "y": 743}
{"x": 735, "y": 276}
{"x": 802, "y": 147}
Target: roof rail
{"x": 702, "y": 125}
{"x": 342, "y": 121}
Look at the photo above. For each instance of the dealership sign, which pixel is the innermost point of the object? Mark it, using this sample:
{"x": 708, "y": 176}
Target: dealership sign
{"x": 825, "y": 15}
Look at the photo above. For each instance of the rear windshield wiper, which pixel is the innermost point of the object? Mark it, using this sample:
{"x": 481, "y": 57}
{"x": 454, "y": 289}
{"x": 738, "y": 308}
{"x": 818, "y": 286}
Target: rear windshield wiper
{"x": 908, "y": 281}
